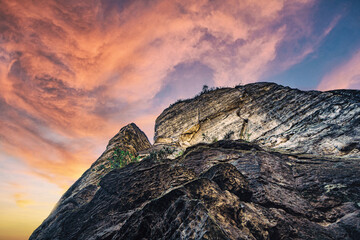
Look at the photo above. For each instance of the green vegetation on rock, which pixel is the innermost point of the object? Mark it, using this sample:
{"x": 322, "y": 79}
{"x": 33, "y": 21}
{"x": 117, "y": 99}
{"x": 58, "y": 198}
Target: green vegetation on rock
{"x": 119, "y": 159}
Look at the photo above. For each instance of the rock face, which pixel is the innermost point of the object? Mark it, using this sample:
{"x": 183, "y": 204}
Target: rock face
{"x": 228, "y": 189}
{"x": 312, "y": 122}
{"x": 130, "y": 138}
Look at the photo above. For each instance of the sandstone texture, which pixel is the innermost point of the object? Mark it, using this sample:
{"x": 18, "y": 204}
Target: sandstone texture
{"x": 290, "y": 120}
{"x": 277, "y": 175}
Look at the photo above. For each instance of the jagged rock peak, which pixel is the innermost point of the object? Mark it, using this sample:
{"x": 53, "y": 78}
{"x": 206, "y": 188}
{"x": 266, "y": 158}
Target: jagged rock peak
{"x": 130, "y": 139}
{"x": 282, "y": 118}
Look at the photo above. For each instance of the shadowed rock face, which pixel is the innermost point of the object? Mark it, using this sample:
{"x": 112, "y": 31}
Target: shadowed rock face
{"x": 130, "y": 138}
{"x": 312, "y": 122}
{"x": 225, "y": 190}
{"x": 229, "y": 189}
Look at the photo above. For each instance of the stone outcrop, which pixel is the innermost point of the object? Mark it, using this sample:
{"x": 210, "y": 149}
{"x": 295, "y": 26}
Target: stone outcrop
{"x": 130, "y": 138}
{"x": 302, "y": 122}
{"x": 225, "y": 190}
{"x": 223, "y": 186}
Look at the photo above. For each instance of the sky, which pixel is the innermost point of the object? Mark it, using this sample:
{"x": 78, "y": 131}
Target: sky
{"x": 72, "y": 73}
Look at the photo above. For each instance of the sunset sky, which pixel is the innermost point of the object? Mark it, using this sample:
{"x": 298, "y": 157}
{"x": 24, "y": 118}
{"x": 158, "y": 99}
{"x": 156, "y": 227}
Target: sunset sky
{"x": 72, "y": 73}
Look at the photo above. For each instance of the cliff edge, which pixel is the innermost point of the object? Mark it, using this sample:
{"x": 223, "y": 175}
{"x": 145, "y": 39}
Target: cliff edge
{"x": 281, "y": 118}
{"x": 259, "y": 161}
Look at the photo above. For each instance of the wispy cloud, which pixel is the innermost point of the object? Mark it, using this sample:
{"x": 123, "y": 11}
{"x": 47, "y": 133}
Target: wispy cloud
{"x": 22, "y": 200}
{"x": 73, "y": 72}
{"x": 25, "y": 199}
{"x": 347, "y": 75}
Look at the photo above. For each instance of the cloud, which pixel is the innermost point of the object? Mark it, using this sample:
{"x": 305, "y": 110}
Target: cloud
{"x": 22, "y": 200}
{"x": 25, "y": 199}
{"x": 345, "y": 76}
{"x": 72, "y": 73}
{"x": 185, "y": 79}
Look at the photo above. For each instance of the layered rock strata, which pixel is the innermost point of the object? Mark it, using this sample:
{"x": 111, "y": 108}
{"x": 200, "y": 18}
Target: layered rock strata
{"x": 302, "y": 122}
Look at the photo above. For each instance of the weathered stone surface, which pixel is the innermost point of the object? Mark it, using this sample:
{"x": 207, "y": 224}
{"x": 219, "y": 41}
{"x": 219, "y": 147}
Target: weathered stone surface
{"x": 303, "y": 122}
{"x": 227, "y": 189}
{"x": 129, "y": 138}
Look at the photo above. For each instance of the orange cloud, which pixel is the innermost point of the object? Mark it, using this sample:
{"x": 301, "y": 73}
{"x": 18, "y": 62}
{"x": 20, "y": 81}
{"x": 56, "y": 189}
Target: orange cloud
{"x": 25, "y": 199}
{"x": 76, "y": 72}
{"x": 22, "y": 200}
{"x": 345, "y": 76}
{"x": 72, "y": 73}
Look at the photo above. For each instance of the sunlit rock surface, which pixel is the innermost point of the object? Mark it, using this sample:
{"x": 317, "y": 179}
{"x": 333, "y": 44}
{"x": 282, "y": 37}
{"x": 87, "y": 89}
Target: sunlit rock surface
{"x": 303, "y": 122}
{"x": 299, "y": 178}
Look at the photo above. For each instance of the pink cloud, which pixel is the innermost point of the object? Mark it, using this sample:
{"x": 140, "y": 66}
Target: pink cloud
{"x": 73, "y": 73}
{"x": 345, "y": 76}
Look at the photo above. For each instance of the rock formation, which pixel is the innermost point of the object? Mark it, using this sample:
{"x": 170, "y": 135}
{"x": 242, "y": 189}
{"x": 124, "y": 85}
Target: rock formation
{"x": 313, "y": 122}
{"x": 129, "y": 138}
{"x": 260, "y": 161}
